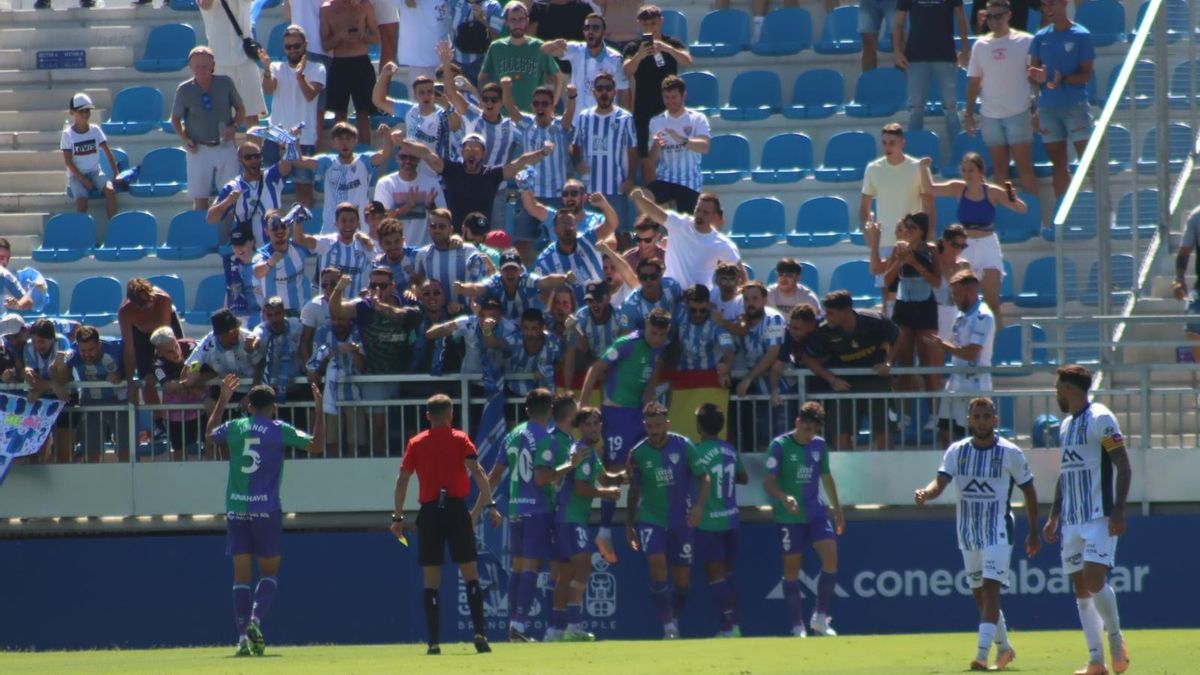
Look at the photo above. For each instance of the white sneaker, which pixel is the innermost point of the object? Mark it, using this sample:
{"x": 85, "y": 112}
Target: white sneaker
{"x": 671, "y": 632}
{"x": 799, "y": 631}
{"x": 820, "y": 625}
{"x": 931, "y": 424}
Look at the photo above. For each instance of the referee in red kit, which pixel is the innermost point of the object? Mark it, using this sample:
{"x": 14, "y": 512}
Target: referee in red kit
{"x": 441, "y": 457}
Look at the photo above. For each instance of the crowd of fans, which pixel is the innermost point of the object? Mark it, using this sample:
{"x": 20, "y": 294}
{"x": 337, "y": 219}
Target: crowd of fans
{"x": 548, "y": 199}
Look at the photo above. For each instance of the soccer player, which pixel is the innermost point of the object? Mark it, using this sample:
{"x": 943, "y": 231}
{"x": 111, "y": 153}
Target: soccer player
{"x": 716, "y": 538}
{"x": 983, "y": 468}
{"x": 534, "y": 498}
{"x": 668, "y": 488}
{"x": 629, "y": 371}
{"x": 562, "y": 411}
{"x": 254, "y": 516}
{"x": 582, "y": 485}
{"x": 1092, "y": 511}
{"x": 504, "y": 460}
{"x": 794, "y": 461}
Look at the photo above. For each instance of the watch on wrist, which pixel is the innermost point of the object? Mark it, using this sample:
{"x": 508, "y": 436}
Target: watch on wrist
{"x": 398, "y": 519}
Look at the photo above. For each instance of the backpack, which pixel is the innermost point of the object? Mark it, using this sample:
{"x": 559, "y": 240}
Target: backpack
{"x": 471, "y": 36}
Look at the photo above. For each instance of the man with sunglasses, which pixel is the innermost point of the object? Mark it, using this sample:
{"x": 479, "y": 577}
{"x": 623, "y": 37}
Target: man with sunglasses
{"x": 588, "y": 59}
{"x": 409, "y": 194}
{"x": 654, "y": 291}
{"x": 499, "y": 131}
{"x": 206, "y": 115}
{"x": 647, "y": 243}
{"x": 279, "y": 267}
{"x": 447, "y": 262}
{"x": 605, "y": 149}
{"x": 544, "y": 129}
{"x": 513, "y": 287}
{"x": 998, "y": 72}
{"x": 575, "y": 251}
{"x": 572, "y": 198}
{"x": 251, "y": 195}
{"x": 704, "y": 345}
{"x": 697, "y": 243}
{"x": 436, "y": 354}
{"x": 592, "y": 330}
{"x": 314, "y": 317}
{"x": 296, "y": 88}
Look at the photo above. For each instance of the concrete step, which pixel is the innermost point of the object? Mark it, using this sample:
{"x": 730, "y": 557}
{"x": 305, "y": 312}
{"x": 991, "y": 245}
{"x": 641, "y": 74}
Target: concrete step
{"x": 45, "y": 99}
{"x": 29, "y": 160}
{"x": 60, "y": 36}
{"x": 67, "y": 78}
{"x": 32, "y": 181}
{"x": 14, "y": 59}
{"x": 15, "y": 224}
{"x": 49, "y": 121}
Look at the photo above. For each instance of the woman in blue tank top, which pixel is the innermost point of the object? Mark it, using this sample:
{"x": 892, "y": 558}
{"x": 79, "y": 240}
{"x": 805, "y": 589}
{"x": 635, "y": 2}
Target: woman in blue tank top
{"x": 914, "y": 270}
{"x": 977, "y": 201}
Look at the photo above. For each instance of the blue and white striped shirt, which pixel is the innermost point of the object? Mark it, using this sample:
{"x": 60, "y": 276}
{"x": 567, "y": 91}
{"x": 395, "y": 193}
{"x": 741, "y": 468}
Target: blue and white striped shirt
{"x": 40, "y": 363}
{"x": 402, "y": 269}
{"x": 281, "y": 352}
{"x": 599, "y": 335}
{"x": 767, "y": 333}
{"x": 341, "y": 366}
{"x": 433, "y": 130}
{"x": 315, "y": 315}
{"x": 498, "y": 137}
{"x": 10, "y": 286}
{"x": 605, "y": 141}
{"x": 637, "y": 306}
{"x": 524, "y": 296}
{"x": 551, "y": 171}
{"x": 984, "y": 478}
{"x": 467, "y": 327}
{"x": 352, "y": 259}
{"x": 112, "y": 356}
{"x": 251, "y": 207}
{"x": 677, "y": 164}
{"x": 584, "y": 261}
{"x": 540, "y": 364}
{"x": 453, "y": 264}
{"x": 345, "y": 183}
{"x": 287, "y": 279}
{"x": 461, "y": 12}
{"x": 702, "y": 345}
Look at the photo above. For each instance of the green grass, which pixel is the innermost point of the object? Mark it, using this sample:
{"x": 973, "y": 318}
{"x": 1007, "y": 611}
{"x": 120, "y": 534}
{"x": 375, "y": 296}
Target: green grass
{"x": 1152, "y": 651}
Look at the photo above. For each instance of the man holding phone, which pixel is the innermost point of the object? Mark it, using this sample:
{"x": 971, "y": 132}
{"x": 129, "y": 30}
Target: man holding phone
{"x": 649, "y": 62}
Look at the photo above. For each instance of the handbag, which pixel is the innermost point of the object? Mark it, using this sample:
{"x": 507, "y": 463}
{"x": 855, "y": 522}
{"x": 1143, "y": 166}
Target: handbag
{"x": 249, "y": 44}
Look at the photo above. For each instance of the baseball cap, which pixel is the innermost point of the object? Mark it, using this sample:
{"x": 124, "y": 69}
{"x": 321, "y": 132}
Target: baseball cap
{"x": 239, "y": 236}
{"x": 498, "y": 239}
{"x": 477, "y": 222}
{"x": 11, "y": 323}
{"x": 476, "y": 138}
{"x": 510, "y": 258}
{"x": 82, "y": 101}
{"x": 595, "y": 290}
{"x": 224, "y": 321}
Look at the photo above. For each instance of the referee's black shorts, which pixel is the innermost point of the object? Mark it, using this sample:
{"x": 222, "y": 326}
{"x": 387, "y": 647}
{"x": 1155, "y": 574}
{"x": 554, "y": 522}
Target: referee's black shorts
{"x": 439, "y": 527}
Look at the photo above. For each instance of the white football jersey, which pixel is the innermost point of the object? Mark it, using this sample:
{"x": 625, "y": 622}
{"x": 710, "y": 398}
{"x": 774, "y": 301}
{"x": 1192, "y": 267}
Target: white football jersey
{"x": 1085, "y": 469}
{"x": 984, "y": 478}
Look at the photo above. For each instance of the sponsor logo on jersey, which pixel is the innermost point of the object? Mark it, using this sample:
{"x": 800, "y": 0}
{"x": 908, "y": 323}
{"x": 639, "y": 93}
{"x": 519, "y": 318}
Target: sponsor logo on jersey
{"x": 974, "y": 486}
{"x": 1070, "y": 456}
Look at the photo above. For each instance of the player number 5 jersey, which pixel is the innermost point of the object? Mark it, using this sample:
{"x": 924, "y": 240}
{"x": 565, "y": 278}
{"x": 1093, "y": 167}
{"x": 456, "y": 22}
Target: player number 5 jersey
{"x": 984, "y": 478}
{"x": 1085, "y": 468}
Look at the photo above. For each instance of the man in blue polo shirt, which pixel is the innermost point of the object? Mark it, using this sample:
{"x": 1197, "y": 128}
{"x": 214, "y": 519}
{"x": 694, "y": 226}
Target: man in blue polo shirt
{"x": 1060, "y": 61}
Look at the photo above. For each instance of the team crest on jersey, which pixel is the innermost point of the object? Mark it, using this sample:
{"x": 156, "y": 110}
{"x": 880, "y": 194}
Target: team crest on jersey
{"x": 771, "y": 462}
{"x": 816, "y": 455}
{"x": 673, "y": 457}
{"x": 687, "y": 131}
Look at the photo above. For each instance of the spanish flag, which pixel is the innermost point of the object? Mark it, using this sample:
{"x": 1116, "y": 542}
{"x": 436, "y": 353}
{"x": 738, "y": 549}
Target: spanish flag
{"x": 689, "y": 390}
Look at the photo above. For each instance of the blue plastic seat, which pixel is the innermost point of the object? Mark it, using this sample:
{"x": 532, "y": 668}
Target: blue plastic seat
{"x": 184, "y": 5}
{"x": 1146, "y": 219}
{"x": 1121, "y": 274}
{"x": 53, "y": 302}
{"x": 210, "y": 296}
{"x": 135, "y": 111}
{"x": 963, "y": 144}
{"x": 1039, "y": 284}
{"x": 163, "y": 173}
{"x": 67, "y": 238}
{"x": 855, "y": 276}
{"x": 821, "y": 221}
{"x": 131, "y": 235}
{"x": 946, "y": 209}
{"x": 1178, "y": 21}
{"x": 1007, "y": 290}
{"x": 723, "y": 32}
{"x": 754, "y": 95}
{"x": 758, "y": 223}
{"x": 274, "y": 45}
{"x": 122, "y": 158}
{"x": 173, "y": 286}
{"x": 1141, "y": 84}
{"x": 1179, "y": 146}
{"x": 1006, "y": 350}
{"x": 95, "y": 300}
{"x": 786, "y": 158}
{"x": 1013, "y": 227}
{"x": 189, "y": 236}
{"x": 924, "y": 143}
{"x": 1082, "y": 342}
{"x": 1042, "y": 167}
{"x": 846, "y": 157}
{"x": 1081, "y": 221}
{"x": 703, "y": 92}
{"x": 1181, "y": 90}
{"x": 839, "y": 33}
{"x": 675, "y": 25}
{"x": 816, "y": 94}
{"x": 811, "y": 277}
{"x": 878, "y": 93}
{"x": 787, "y": 30}
{"x": 1104, "y": 19}
{"x": 167, "y": 48}
{"x": 727, "y": 161}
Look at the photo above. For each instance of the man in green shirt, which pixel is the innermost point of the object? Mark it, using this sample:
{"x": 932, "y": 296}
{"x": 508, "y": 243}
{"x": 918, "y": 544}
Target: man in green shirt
{"x": 716, "y": 536}
{"x": 520, "y": 58}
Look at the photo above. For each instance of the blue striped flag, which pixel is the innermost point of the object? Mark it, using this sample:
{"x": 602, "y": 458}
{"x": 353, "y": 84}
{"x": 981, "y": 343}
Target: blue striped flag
{"x": 24, "y": 427}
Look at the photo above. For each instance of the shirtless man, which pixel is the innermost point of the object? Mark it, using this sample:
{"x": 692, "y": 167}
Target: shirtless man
{"x": 145, "y": 309}
{"x": 347, "y": 27}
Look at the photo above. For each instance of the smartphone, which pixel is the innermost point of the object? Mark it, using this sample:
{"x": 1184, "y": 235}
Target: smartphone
{"x": 439, "y": 89}
{"x": 647, "y": 38}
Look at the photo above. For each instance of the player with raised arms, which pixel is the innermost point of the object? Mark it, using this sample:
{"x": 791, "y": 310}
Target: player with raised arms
{"x": 572, "y": 542}
{"x": 629, "y": 371}
{"x": 1091, "y": 507}
{"x": 794, "y": 463}
{"x": 984, "y": 467}
{"x": 716, "y": 537}
{"x": 254, "y": 516}
{"x": 667, "y": 495}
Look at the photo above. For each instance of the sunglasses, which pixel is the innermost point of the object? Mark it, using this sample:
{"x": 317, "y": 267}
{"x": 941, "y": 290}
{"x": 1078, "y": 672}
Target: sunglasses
{"x": 206, "y": 100}
{"x": 326, "y": 285}
{"x": 431, "y": 294}
{"x": 697, "y": 310}
{"x": 645, "y": 240}
{"x": 649, "y": 277}
{"x": 255, "y": 155}
{"x": 379, "y": 285}
{"x": 572, "y": 193}
{"x": 408, "y": 158}
{"x": 957, "y": 246}
{"x": 996, "y": 15}
{"x": 789, "y": 273}
{"x": 293, "y": 48}
{"x": 491, "y": 99}
{"x": 604, "y": 87}
{"x": 592, "y": 26}
{"x": 541, "y": 104}
{"x": 277, "y": 225}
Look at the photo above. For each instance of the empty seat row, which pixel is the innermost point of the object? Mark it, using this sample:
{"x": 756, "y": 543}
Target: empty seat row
{"x": 96, "y": 299}
{"x": 131, "y": 235}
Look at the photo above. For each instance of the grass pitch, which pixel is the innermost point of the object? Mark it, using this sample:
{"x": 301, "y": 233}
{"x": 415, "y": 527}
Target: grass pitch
{"x": 1151, "y": 651}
